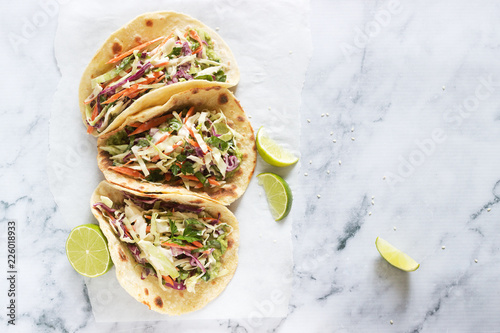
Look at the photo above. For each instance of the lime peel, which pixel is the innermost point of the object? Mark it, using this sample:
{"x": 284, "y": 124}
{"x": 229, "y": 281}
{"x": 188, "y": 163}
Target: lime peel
{"x": 278, "y": 194}
{"x": 272, "y": 152}
{"x": 395, "y": 257}
{"x": 87, "y": 250}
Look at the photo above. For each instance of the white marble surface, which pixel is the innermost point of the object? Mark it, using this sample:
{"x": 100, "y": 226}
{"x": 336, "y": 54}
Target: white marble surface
{"x": 418, "y": 93}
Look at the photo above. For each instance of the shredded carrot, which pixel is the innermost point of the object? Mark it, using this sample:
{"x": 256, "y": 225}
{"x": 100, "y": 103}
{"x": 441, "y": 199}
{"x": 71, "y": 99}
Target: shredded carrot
{"x": 114, "y": 97}
{"x": 195, "y": 36}
{"x": 188, "y": 114}
{"x": 186, "y": 247}
{"x": 159, "y": 78}
{"x": 151, "y": 123}
{"x": 168, "y": 279}
{"x": 148, "y": 228}
{"x": 128, "y": 172}
{"x": 161, "y": 64}
{"x": 190, "y": 177}
{"x": 192, "y": 142}
{"x": 134, "y": 94}
{"x": 95, "y": 112}
{"x": 212, "y": 181}
{"x": 155, "y": 159}
{"x": 90, "y": 100}
{"x": 211, "y": 219}
{"x": 198, "y": 185}
{"x": 129, "y": 52}
{"x": 128, "y": 92}
{"x": 90, "y": 129}
{"x": 163, "y": 42}
{"x": 168, "y": 176}
{"x": 163, "y": 138}
{"x": 178, "y": 144}
{"x": 198, "y": 244}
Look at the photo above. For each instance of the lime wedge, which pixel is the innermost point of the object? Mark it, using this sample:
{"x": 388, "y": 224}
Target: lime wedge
{"x": 395, "y": 257}
{"x": 273, "y": 153}
{"x": 87, "y": 250}
{"x": 278, "y": 193}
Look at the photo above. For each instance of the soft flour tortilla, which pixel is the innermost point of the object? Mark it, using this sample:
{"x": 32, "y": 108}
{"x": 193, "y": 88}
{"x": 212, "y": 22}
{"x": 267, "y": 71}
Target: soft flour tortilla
{"x": 211, "y": 97}
{"x": 144, "y": 28}
{"x": 147, "y": 291}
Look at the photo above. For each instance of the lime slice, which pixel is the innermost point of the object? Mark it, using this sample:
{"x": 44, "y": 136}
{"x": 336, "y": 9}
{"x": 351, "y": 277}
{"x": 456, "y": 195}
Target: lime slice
{"x": 87, "y": 250}
{"x": 273, "y": 153}
{"x": 224, "y": 131}
{"x": 278, "y": 193}
{"x": 395, "y": 257}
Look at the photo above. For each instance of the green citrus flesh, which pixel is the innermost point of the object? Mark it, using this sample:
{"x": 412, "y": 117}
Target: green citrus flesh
{"x": 278, "y": 194}
{"x": 87, "y": 250}
{"x": 395, "y": 257}
{"x": 272, "y": 152}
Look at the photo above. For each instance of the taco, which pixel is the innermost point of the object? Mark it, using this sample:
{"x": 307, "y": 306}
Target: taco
{"x": 174, "y": 253}
{"x": 154, "y": 55}
{"x": 199, "y": 142}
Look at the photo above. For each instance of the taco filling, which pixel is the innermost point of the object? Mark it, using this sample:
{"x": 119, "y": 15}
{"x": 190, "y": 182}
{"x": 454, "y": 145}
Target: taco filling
{"x": 178, "y": 244}
{"x": 194, "y": 150}
{"x": 178, "y": 57}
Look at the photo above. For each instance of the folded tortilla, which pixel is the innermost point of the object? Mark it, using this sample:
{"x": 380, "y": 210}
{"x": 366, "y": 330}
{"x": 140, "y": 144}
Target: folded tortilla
{"x": 135, "y": 278}
{"x": 143, "y": 29}
{"x": 211, "y": 97}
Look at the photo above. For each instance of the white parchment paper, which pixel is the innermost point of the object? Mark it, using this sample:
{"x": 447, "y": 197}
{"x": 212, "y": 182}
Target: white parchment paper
{"x": 272, "y": 45}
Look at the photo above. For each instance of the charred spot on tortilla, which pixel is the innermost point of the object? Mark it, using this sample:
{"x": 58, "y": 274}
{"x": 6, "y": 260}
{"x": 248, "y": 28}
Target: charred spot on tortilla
{"x": 146, "y": 291}
{"x": 230, "y": 243}
{"x": 149, "y": 23}
{"x": 158, "y": 302}
{"x": 196, "y": 201}
{"x": 138, "y": 40}
{"x": 146, "y": 303}
{"x": 223, "y": 99}
{"x": 122, "y": 255}
{"x": 245, "y": 155}
{"x": 194, "y": 91}
{"x": 238, "y": 172}
{"x": 116, "y": 48}
{"x": 240, "y": 118}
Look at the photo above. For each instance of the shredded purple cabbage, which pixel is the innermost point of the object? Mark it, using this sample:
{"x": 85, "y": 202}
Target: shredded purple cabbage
{"x": 177, "y": 286}
{"x": 231, "y": 161}
{"x": 110, "y": 211}
{"x": 136, "y": 252}
{"x": 194, "y": 260}
{"x": 186, "y": 50}
{"x": 199, "y": 152}
{"x": 111, "y": 90}
{"x": 148, "y": 271}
